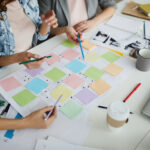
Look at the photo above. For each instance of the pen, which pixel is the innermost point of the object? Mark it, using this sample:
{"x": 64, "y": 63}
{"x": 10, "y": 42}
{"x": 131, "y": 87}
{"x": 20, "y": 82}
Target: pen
{"x": 25, "y": 62}
{"x": 144, "y": 30}
{"x": 5, "y": 110}
{"x": 80, "y": 46}
{"x": 103, "y": 107}
{"x": 50, "y": 112}
{"x": 132, "y": 92}
{"x": 2, "y": 103}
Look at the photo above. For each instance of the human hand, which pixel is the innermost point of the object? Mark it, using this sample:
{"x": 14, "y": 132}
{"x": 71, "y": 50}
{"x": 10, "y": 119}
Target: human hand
{"x": 84, "y": 26}
{"x": 49, "y": 19}
{"x": 26, "y": 56}
{"x": 37, "y": 120}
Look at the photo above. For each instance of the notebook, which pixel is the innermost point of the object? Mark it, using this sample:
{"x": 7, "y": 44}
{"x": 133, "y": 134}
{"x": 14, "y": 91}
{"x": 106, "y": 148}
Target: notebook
{"x": 145, "y": 9}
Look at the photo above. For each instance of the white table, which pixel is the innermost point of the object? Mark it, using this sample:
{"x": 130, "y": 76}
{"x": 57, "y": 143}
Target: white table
{"x": 100, "y": 136}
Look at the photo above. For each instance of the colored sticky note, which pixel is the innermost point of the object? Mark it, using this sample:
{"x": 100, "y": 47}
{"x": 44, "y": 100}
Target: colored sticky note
{"x": 55, "y": 74}
{"x": 34, "y": 72}
{"x": 100, "y": 86}
{"x": 9, "y": 84}
{"x": 62, "y": 90}
{"x": 88, "y": 45}
{"x": 113, "y": 69}
{"x": 86, "y": 96}
{"x": 74, "y": 81}
{"x": 76, "y": 66}
{"x": 92, "y": 57}
{"x": 36, "y": 85}
{"x": 70, "y": 54}
{"x": 52, "y": 60}
{"x": 111, "y": 57}
{"x": 71, "y": 110}
{"x": 94, "y": 73}
{"x": 24, "y": 97}
{"x": 68, "y": 44}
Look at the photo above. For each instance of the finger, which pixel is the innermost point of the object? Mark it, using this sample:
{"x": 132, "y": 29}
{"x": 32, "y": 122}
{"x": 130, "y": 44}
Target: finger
{"x": 46, "y": 109}
{"x": 82, "y": 29}
{"x": 52, "y": 22}
{"x": 55, "y": 25}
{"x": 53, "y": 115}
{"x": 31, "y": 55}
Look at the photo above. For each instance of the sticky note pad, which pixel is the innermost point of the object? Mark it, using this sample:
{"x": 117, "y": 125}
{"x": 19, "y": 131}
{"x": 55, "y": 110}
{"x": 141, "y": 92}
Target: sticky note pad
{"x": 68, "y": 44}
{"x": 71, "y": 110}
{"x": 111, "y": 57}
{"x": 62, "y": 90}
{"x": 24, "y": 97}
{"x": 55, "y": 74}
{"x": 74, "y": 81}
{"x": 86, "y": 96}
{"x": 113, "y": 69}
{"x": 10, "y": 84}
{"x": 92, "y": 57}
{"x": 94, "y": 73}
{"x": 70, "y": 54}
{"x": 34, "y": 72}
{"x": 76, "y": 66}
{"x": 88, "y": 45}
{"x": 52, "y": 60}
{"x": 100, "y": 86}
{"x": 36, "y": 85}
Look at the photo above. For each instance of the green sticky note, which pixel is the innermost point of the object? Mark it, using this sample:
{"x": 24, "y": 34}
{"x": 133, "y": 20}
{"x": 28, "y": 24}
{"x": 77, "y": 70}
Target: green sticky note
{"x": 68, "y": 44}
{"x": 24, "y": 97}
{"x": 93, "y": 57}
{"x": 94, "y": 73}
{"x": 111, "y": 57}
{"x": 55, "y": 74}
{"x": 71, "y": 110}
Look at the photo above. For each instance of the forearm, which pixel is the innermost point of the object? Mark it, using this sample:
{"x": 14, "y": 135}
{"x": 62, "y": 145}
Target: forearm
{"x": 58, "y": 30}
{"x": 106, "y": 14}
{"x": 44, "y": 29}
{"x": 8, "y": 124}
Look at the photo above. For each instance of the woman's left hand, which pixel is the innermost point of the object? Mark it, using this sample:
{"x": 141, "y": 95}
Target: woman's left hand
{"x": 84, "y": 26}
{"x": 49, "y": 19}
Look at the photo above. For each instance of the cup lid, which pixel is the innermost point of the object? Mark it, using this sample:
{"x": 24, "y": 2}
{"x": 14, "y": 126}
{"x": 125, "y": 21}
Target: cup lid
{"x": 118, "y": 111}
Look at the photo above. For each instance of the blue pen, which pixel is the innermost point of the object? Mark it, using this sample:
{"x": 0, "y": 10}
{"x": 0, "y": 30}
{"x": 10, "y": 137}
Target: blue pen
{"x": 80, "y": 46}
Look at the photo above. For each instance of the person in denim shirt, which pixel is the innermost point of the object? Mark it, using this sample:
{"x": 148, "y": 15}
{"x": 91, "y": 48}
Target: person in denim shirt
{"x": 39, "y": 28}
{"x": 42, "y": 25}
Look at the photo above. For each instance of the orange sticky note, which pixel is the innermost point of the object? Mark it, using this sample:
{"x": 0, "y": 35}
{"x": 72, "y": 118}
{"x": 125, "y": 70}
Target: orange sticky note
{"x": 88, "y": 45}
{"x": 100, "y": 86}
{"x": 113, "y": 69}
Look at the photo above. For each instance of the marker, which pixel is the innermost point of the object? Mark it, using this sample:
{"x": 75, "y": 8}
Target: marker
{"x": 50, "y": 112}
{"x": 25, "y": 62}
{"x": 132, "y": 92}
{"x": 103, "y": 107}
{"x": 144, "y": 30}
{"x": 80, "y": 46}
{"x": 117, "y": 52}
{"x": 5, "y": 110}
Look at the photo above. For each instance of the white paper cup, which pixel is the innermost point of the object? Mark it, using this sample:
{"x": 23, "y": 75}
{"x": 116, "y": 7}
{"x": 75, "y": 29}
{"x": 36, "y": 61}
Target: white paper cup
{"x": 117, "y": 115}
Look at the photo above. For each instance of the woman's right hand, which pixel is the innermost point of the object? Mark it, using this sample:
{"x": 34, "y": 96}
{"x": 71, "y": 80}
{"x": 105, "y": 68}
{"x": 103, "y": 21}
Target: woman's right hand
{"x": 37, "y": 120}
{"x": 26, "y": 56}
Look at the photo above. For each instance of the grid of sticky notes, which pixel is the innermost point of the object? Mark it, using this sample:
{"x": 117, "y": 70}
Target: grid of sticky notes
{"x": 68, "y": 44}
{"x": 55, "y": 74}
{"x": 71, "y": 110}
{"x": 24, "y": 97}
{"x": 62, "y": 90}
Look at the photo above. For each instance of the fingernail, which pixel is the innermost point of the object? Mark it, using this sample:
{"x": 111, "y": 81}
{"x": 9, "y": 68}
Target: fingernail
{"x": 49, "y": 24}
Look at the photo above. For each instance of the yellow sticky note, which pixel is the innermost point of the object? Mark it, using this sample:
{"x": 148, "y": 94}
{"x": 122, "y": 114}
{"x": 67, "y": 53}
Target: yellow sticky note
{"x": 113, "y": 69}
{"x": 100, "y": 86}
{"x": 62, "y": 90}
{"x": 93, "y": 57}
{"x": 88, "y": 45}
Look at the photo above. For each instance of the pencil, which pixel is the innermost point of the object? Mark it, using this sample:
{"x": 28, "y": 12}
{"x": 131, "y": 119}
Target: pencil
{"x": 132, "y": 92}
{"x": 25, "y": 62}
{"x": 81, "y": 46}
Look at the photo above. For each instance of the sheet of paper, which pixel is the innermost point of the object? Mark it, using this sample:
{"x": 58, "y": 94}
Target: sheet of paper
{"x": 113, "y": 69}
{"x": 125, "y": 24}
{"x": 74, "y": 81}
{"x": 100, "y": 86}
{"x": 94, "y": 73}
{"x": 68, "y": 44}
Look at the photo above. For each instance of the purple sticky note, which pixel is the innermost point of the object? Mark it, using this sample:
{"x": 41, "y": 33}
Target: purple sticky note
{"x": 86, "y": 96}
{"x": 34, "y": 72}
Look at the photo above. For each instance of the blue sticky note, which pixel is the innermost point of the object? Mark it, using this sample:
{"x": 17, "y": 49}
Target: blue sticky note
{"x": 76, "y": 66}
{"x": 10, "y": 133}
{"x": 37, "y": 85}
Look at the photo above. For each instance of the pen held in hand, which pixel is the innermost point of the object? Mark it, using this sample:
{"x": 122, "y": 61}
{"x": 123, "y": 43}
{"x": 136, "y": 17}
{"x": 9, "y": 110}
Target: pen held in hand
{"x": 81, "y": 46}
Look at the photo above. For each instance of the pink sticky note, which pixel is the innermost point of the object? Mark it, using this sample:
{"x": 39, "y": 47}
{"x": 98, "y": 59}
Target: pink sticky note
{"x": 74, "y": 81}
{"x": 53, "y": 59}
{"x": 9, "y": 84}
{"x": 70, "y": 54}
